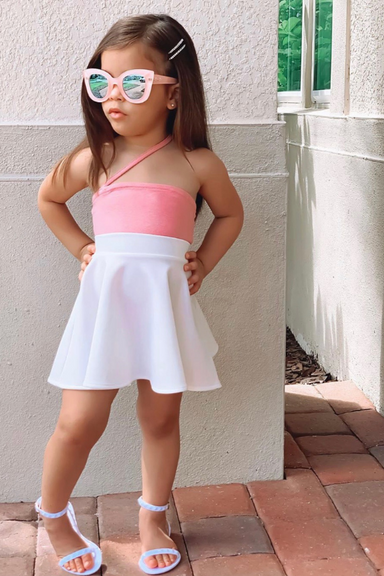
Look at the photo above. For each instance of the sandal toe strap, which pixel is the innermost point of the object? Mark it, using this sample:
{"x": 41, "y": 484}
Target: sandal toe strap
{"x": 155, "y": 551}
{"x": 76, "y": 554}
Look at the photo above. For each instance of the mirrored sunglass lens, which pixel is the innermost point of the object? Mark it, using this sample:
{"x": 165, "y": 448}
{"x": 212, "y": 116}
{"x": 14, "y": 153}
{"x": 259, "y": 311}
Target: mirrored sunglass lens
{"x": 98, "y": 85}
{"x": 134, "y": 86}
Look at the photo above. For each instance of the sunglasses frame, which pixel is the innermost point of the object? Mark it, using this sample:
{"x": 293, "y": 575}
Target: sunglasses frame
{"x": 149, "y": 75}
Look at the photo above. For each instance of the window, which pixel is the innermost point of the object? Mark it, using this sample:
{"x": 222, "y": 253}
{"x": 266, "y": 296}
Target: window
{"x": 323, "y": 45}
{"x": 305, "y": 51}
{"x": 290, "y": 32}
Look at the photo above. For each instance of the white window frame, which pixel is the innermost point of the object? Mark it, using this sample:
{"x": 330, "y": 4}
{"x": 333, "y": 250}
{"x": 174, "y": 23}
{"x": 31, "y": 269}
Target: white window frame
{"x": 306, "y": 97}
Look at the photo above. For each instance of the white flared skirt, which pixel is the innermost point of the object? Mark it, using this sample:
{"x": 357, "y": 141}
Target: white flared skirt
{"x": 133, "y": 318}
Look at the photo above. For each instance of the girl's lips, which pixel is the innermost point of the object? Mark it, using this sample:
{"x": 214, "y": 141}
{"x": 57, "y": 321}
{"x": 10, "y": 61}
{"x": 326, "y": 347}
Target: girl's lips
{"x": 116, "y": 114}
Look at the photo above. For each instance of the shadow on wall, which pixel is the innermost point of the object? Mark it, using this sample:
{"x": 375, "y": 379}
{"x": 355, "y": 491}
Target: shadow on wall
{"x": 352, "y": 188}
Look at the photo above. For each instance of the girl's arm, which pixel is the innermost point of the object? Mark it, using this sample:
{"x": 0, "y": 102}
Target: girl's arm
{"x": 52, "y": 198}
{"x": 224, "y": 201}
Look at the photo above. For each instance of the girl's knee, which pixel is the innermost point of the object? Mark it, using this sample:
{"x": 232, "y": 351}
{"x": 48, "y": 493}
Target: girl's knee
{"x": 84, "y": 415}
{"x": 158, "y": 413}
{"x": 159, "y": 425}
{"x": 79, "y": 430}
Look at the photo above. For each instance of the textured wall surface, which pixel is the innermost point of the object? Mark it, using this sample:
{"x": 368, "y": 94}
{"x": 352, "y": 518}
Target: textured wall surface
{"x": 335, "y": 259}
{"x": 236, "y": 44}
{"x": 367, "y": 58}
{"x": 228, "y": 435}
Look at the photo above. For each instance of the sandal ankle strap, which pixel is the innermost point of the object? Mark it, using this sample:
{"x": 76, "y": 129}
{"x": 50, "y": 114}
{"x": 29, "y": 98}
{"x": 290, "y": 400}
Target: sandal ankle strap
{"x": 48, "y": 514}
{"x": 152, "y": 506}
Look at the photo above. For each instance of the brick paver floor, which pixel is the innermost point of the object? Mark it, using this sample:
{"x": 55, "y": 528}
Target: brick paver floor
{"x": 326, "y": 517}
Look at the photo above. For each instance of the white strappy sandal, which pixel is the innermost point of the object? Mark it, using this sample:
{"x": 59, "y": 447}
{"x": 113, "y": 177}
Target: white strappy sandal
{"x": 92, "y": 547}
{"x": 155, "y": 551}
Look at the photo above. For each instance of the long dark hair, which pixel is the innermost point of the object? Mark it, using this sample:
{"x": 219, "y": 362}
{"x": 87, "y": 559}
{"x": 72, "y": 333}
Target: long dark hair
{"x": 187, "y": 123}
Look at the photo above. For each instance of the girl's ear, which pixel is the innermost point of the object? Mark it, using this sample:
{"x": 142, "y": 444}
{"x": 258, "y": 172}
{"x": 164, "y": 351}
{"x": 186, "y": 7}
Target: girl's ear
{"x": 174, "y": 94}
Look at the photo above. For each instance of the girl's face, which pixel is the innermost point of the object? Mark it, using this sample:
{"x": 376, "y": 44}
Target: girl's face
{"x": 139, "y": 118}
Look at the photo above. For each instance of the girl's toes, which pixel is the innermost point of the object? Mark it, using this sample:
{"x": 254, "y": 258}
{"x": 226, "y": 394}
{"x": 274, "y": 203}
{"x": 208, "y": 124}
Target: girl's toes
{"x": 151, "y": 561}
{"x": 166, "y": 559}
{"x": 160, "y": 561}
{"x": 88, "y": 561}
{"x": 79, "y": 565}
{"x": 72, "y": 565}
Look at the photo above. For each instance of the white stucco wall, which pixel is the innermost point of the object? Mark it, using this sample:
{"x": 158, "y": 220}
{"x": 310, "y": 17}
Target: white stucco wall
{"x": 59, "y": 37}
{"x": 335, "y": 258}
{"x": 367, "y": 58}
{"x": 229, "y": 435}
{"x": 335, "y": 239}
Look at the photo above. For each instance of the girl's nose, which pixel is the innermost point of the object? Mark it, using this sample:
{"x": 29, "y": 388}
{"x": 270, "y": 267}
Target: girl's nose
{"x": 115, "y": 91}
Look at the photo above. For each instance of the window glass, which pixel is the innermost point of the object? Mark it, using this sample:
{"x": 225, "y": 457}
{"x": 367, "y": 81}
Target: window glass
{"x": 323, "y": 45}
{"x": 289, "y": 48}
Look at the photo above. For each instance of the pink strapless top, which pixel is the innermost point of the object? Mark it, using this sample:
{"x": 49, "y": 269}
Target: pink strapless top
{"x": 145, "y": 207}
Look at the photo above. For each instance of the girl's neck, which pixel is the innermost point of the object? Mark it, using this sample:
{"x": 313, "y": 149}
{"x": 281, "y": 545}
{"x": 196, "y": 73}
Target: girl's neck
{"x": 139, "y": 144}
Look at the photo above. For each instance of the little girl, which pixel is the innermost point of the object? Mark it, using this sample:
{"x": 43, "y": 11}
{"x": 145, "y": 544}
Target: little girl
{"x": 147, "y": 159}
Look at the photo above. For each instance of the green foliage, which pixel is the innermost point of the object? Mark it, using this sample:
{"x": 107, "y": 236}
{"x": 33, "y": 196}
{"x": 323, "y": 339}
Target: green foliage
{"x": 290, "y": 45}
{"x": 289, "y": 51}
{"x": 323, "y": 45}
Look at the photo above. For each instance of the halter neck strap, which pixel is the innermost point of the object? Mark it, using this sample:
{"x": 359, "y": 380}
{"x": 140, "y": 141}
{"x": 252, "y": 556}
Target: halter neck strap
{"x": 139, "y": 158}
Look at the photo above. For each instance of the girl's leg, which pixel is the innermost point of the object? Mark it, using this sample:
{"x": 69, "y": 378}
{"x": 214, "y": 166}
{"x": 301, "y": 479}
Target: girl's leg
{"x": 158, "y": 415}
{"x": 82, "y": 420}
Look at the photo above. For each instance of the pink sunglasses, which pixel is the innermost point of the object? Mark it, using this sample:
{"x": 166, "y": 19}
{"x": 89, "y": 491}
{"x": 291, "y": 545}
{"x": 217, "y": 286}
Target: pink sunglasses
{"x": 135, "y": 85}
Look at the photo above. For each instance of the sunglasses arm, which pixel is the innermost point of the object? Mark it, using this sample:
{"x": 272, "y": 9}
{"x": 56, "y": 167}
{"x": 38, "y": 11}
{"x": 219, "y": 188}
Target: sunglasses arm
{"x": 159, "y": 79}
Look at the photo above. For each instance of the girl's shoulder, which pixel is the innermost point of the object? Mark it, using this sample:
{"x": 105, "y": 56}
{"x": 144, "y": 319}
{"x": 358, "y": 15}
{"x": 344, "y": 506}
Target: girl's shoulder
{"x": 203, "y": 156}
{"x": 204, "y": 161}
{"x": 79, "y": 166}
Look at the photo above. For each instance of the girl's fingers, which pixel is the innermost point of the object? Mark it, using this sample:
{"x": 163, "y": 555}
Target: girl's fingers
{"x": 194, "y": 289}
{"x": 193, "y": 279}
{"x": 86, "y": 260}
{"x": 84, "y": 264}
{"x": 191, "y": 265}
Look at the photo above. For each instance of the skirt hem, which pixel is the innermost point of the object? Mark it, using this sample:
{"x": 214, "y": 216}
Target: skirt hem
{"x": 216, "y": 386}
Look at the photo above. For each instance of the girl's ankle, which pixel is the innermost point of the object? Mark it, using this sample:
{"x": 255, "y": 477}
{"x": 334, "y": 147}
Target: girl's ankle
{"x": 53, "y": 524}
{"x": 145, "y": 512}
